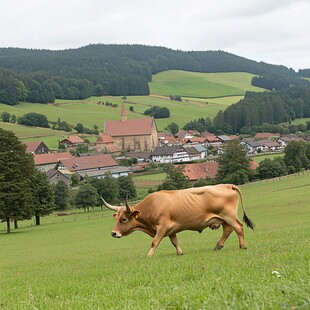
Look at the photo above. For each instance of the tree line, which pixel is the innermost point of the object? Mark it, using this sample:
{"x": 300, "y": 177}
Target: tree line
{"x": 273, "y": 107}
{"x": 260, "y": 112}
{"x": 44, "y": 75}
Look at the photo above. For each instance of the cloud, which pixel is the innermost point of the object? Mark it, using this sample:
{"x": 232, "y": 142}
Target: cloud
{"x": 269, "y": 30}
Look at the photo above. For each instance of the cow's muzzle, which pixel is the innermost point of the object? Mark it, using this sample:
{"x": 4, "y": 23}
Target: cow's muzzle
{"x": 116, "y": 234}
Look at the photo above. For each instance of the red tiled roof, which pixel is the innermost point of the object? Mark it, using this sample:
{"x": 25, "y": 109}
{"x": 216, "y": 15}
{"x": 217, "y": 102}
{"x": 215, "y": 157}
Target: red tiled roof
{"x": 89, "y": 162}
{"x": 130, "y": 127}
{"x": 31, "y": 146}
{"x": 264, "y": 135}
{"x": 201, "y": 170}
{"x": 74, "y": 139}
{"x": 41, "y": 159}
{"x": 102, "y": 138}
{"x": 196, "y": 140}
{"x": 112, "y": 148}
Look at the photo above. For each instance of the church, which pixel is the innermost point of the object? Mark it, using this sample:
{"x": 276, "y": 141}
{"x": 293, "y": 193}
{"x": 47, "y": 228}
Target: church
{"x": 133, "y": 135}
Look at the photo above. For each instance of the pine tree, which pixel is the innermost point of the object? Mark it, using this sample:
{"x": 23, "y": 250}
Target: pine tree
{"x": 43, "y": 194}
{"x": 16, "y": 173}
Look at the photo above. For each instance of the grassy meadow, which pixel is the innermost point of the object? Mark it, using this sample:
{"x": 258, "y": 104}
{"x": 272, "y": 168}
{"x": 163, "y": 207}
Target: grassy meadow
{"x": 204, "y": 95}
{"x": 260, "y": 158}
{"x": 201, "y": 85}
{"x": 76, "y": 264}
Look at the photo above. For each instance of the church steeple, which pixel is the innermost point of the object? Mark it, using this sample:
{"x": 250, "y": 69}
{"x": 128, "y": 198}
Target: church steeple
{"x": 123, "y": 113}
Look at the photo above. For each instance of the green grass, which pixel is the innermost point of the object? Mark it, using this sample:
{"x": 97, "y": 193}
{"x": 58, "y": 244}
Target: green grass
{"x": 260, "y": 158}
{"x": 77, "y": 265}
{"x": 151, "y": 177}
{"x": 90, "y": 113}
{"x": 221, "y": 89}
{"x": 203, "y": 85}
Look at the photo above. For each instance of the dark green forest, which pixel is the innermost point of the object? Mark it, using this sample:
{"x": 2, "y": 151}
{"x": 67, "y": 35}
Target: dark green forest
{"x": 272, "y": 107}
{"x": 44, "y": 75}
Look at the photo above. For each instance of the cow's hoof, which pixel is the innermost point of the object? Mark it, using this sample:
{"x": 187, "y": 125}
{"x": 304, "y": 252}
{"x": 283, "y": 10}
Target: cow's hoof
{"x": 218, "y": 247}
{"x": 243, "y": 248}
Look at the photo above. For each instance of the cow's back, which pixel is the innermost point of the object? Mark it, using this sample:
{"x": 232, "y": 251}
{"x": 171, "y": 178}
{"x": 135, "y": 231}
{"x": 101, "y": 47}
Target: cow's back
{"x": 192, "y": 205}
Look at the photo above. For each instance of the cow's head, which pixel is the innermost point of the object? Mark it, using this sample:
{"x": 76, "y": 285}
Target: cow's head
{"x": 125, "y": 218}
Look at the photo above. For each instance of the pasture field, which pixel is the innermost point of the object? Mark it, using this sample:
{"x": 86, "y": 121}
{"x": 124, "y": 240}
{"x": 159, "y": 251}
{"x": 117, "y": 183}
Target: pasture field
{"x": 78, "y": 265}
{"x": 201, "y": 85}
{"x": 28, "y": 133}
{"x": 260, "y": 158}
{"x": 89, "y": 113}
{"x": 144, "y": 182}
{"x": 221, "y": 89}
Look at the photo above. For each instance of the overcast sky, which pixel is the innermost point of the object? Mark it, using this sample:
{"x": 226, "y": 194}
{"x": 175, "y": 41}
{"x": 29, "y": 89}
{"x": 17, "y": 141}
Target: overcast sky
{"x": 273, "y": 31}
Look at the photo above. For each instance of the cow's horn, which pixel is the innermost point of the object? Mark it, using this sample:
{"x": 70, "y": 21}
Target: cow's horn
{"x": 128, "y": 208}
{"x": 114, "y": 208}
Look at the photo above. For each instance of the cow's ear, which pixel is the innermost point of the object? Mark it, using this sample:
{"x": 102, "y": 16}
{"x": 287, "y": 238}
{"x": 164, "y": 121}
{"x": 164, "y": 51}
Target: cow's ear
{"x": 135, "y": 214}
{"x": 114, "y": 215}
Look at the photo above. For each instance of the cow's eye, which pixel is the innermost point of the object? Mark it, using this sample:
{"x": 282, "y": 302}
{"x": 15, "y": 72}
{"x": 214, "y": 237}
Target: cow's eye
{"x": 124, "y": 220}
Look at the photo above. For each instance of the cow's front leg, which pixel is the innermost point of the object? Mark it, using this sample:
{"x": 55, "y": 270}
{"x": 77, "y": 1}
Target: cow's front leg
{"x": 160, "y": 234}
{"x": 227, "y": 230}
{"x": 174, "y": 240}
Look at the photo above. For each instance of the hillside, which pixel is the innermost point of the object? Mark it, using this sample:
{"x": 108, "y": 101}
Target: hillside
{"x": 201, "y": 85}
{"x": 45, "y": 75}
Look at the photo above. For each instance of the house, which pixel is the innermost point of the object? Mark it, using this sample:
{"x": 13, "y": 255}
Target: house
{"x": 93, "y": 166}
{"x": 196, "y": 141}
{"x": 203, "y": 170}
{"x": 105, "y": 143}
{"x": 36, "y": 147}
{"x": 166, "y": 138}
{"x": 272, "y": 146}
{"x": 211, "y": 138}
{"x": 253, "y": 146}
{"x": 175, "y": 154}
{"x": 45, "y": 162}
{"x": 169, "y": 154}
{"x": 284, "y": 140}
{"x": 186, "y": 134}
{"x": 72, "y": 141}
{"x": 135, "y": 135}
{"x": 54, "y": 176}
{"x": 199, "y": 149}
{"x": 193, "y": 153}
{"x": 224, "y": 138}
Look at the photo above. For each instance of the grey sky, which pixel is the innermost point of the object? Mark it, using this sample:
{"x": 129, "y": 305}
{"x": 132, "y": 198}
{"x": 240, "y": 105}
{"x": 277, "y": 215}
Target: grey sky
{"x": 273, "y": 31}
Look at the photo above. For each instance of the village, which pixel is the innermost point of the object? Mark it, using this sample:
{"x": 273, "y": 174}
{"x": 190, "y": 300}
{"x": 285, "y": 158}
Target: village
{"x": 139, "y": 140}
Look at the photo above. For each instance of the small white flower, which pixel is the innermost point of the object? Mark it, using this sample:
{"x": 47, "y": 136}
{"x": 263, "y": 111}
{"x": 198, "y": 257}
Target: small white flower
{"x": 277, "y": 273}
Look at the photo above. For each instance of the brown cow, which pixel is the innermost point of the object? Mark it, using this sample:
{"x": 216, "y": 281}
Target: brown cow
{"x": 165, "y": 213}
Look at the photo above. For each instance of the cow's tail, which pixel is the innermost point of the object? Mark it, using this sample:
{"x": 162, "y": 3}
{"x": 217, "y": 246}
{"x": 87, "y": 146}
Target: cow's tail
{"x": 246, "y": 219}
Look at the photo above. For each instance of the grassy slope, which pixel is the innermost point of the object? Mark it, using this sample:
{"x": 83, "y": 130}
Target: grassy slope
{"x": 77, "y": 265}
{"x": 203, "y": 85}
{"x": 224, "y": 86}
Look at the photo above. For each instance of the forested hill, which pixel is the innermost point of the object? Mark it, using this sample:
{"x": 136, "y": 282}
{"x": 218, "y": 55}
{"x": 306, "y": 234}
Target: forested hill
{"x": 134, "y": 59}
{"x": 111, "y": 69}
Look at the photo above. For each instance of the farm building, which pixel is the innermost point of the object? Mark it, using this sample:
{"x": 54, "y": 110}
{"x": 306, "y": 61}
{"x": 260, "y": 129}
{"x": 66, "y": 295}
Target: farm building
{"x": 198, "y": 171}
{"x": 132, "y": 134}
{"x": 36, "y": 147}
{"x": 93, "y": 166}
{"x": 72, "y": 141}
{"x": 45, "y": 162}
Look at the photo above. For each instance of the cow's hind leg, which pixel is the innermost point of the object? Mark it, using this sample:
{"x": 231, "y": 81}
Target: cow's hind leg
{"x": 237, "y": 225}
{"x": 174, "y": 240}
{"x": 227, "y": 230}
